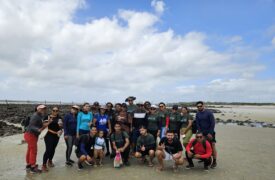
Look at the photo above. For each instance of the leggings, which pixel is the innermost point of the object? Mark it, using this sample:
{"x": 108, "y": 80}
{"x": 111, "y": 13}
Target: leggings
{"x": 51, "y": 142}
{"x": 70, "y": 141}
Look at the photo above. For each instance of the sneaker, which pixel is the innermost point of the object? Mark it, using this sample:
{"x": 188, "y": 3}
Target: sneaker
{"x": 127, "y": 163}
{"x": 214, "y": 164}
{"x": 69, "y": 164}
{"x": 44, "y": 168}
{"x": 80, "y": 166}
{"x": 28, "y": 168}
{"x": 189, "y": 166}
{"x": 71, "y": 161}
{"x": 206, "y": 168}
{"x": 50, "y": 164}
{"x": 88, "y": 163}
{"x": 35, "y": 170}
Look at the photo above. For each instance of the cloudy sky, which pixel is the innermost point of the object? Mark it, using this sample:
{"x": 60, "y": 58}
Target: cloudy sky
{"x": 170, "y": 50}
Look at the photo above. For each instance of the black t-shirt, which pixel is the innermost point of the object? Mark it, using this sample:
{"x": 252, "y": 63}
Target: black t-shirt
{"x": 54, "y": 124}
{"x": 172, "y": 148}
{"x": 140, "y": 118}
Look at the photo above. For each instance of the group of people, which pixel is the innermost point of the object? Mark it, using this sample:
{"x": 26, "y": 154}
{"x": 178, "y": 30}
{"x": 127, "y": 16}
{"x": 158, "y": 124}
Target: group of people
{"x": 142, "y": 130}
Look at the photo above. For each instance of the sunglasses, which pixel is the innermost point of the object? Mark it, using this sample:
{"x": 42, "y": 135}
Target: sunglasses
{"x": 153, "y": 109}
{"x": 199, "y": 137}
{"x": 54, "y": 110}
{"x": 161, "y": 106}
{"x": 199, "y": 106}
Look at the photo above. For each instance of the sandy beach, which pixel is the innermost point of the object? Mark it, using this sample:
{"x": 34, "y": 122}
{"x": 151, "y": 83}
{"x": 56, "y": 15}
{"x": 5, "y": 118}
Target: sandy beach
{"x": 244, "y": 112}
{"x": 244, "y": 153}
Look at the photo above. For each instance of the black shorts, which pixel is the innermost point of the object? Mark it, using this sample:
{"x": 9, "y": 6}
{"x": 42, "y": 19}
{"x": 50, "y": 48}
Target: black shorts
{"x": 79, "y": 154}
{"x": 146, "y": 152}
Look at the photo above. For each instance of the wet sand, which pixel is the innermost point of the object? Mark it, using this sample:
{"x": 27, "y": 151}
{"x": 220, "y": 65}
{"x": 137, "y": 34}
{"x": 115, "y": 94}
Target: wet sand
{"x": 243, "y": 113}
{"x": 244, "y": 153}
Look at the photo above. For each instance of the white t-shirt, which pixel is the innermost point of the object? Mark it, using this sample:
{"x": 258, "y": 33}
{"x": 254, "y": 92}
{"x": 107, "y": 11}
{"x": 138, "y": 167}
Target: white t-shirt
{"x": 99, "y": 143}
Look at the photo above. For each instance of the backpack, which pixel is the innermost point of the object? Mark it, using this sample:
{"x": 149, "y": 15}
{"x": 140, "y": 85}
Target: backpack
{"x": 194, "y": 127}
{"x": 203, "y": 143}
{"x": 25, "y": 122}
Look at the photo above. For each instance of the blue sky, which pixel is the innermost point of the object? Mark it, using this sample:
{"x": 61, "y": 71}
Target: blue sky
{"x": 161, "y": 50}
{"x": 253, "y": 20}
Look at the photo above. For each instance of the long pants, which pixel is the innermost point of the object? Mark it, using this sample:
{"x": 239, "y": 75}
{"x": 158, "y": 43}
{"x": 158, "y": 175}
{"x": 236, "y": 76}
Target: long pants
{"x": 70, "y": 141}
{"x": 205, "y": 161}
{"x": 51, "y": 142}
{"x": 31, "y": 154}
{"x": 107, "y": 140}
{"x": 125, "y": 154}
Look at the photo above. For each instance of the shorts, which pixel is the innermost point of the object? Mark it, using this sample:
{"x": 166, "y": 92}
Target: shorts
{"x": 168, "y": 157}
{"x": 188, "y": 136}
{"x": 79, "y": 154}
{"x": 146, "y": 152}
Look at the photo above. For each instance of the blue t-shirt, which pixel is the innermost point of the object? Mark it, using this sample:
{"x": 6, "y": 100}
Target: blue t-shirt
{"x": 83, "y": 121}
{"x": 102, "y": 122}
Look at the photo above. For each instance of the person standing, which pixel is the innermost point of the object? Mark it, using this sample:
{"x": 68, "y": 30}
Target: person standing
{"x": 131, "y": 106}
{"x": 164, "y": 118}
{"x": 174, "y": 121}
{"x": 154, "y": 124}
{"x": 36, "y": 125}
{"x": 205, "y": 122}
{"x": 70, "y": 124}
{"x": 84, "y": 120}
{"x": 102, "y": 123}
{"x": 186, "y": 125}
{"x": 52, "y": 138}
{"x": 138, "y": 118}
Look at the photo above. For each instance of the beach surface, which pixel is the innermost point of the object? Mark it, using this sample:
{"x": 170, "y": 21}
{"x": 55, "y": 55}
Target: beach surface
{"x": 244, "y": 153}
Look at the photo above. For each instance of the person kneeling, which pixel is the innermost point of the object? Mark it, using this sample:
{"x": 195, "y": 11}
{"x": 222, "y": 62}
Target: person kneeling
{"x": 199, "y": 148}
{"x": 84, "y": 151}
{"x": 146, "y": 145}
{"x": 170, "y": 148}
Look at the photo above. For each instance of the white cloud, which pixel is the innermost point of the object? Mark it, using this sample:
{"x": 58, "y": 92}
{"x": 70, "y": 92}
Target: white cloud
{"x": 158, "y": 5}
{"x": 45, "y": 55}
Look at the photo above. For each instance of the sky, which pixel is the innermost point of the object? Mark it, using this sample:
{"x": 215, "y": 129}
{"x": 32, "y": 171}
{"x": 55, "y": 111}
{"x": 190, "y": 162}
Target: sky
{"x": 157, "y": 50}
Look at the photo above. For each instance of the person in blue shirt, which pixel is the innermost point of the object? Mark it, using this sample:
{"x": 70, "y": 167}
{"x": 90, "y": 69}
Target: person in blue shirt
{"x": 103, "y": 123}
{"x": 85, "y": 148}
{"x": 84, "y": 120}
{"x": 70, "y": 124}
{"x": 205, "y": 122}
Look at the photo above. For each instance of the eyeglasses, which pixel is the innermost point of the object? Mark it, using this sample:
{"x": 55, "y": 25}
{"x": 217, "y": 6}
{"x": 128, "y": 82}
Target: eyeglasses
{"x": 199, "y": 137}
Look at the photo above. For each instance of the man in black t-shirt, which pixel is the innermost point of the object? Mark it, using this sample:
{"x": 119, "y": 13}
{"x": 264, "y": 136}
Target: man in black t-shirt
{"x": 170, "y": 148}
{"x": 84, "y": 151}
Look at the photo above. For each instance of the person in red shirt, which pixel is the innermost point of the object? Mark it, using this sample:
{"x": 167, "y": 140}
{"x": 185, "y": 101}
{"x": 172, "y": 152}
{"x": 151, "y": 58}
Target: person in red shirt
{"x": 199, "y": 148}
